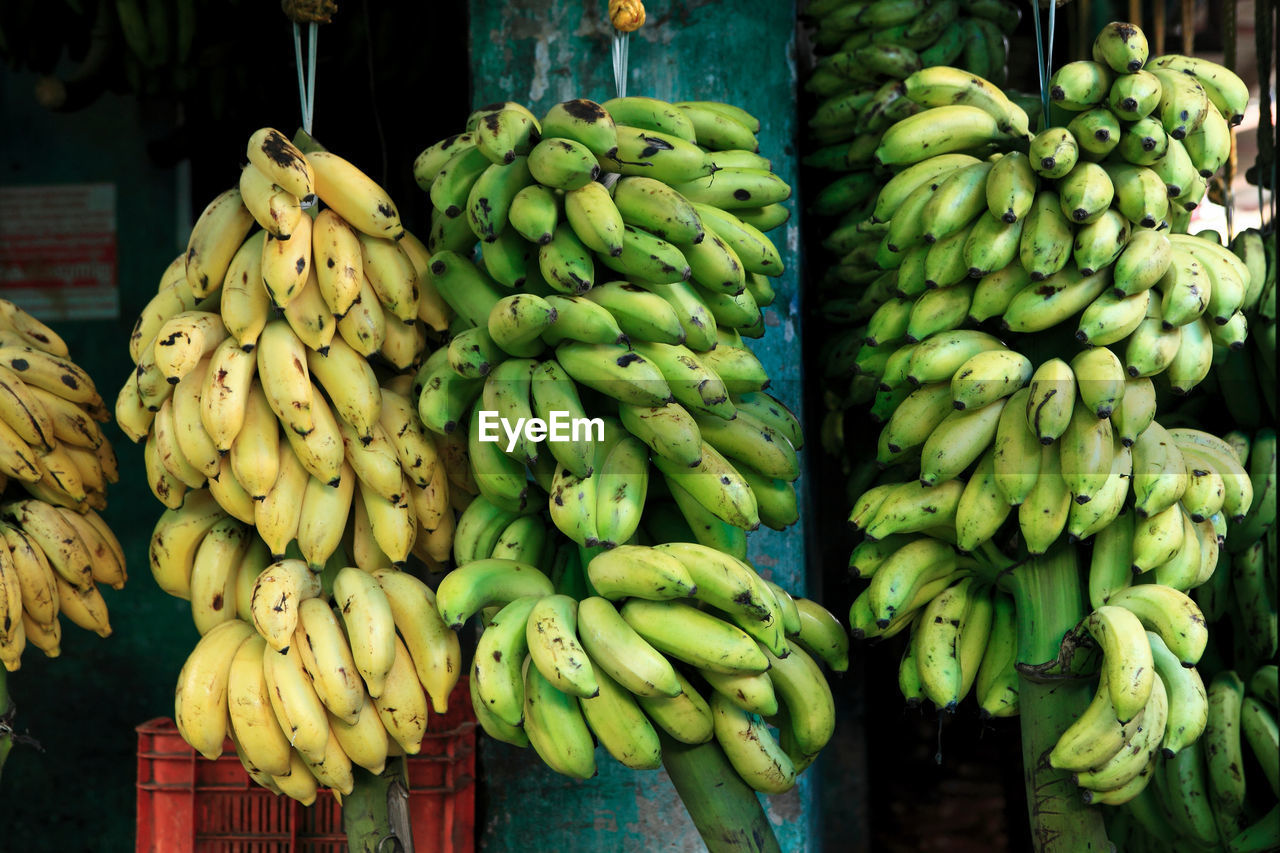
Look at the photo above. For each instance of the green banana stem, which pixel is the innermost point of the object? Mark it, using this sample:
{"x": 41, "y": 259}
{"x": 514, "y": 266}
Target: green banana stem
{"x": 1050, "y": 602}
{"x": 367, "y": 814}
{"x": 6, "y": 712}
{"x": 726, "y": 812}
{"x": 306, "y": 142}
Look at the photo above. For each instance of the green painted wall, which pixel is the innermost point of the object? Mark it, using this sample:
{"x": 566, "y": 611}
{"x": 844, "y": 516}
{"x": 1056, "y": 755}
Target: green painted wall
{"x": 540, "y": 53}
{"x": 79, "y": 793}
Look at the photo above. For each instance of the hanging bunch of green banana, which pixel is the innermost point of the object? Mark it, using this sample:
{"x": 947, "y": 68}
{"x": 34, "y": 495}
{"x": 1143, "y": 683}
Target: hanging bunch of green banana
{"x": 1029, "y": 241}
{"x": 677, "y": 637}
{"x": 1221, "y": 790}
{"x": 1247, "y": 378}
{"x": 878, "y": 63}
{"x": 620, "y": 264}
{"x": 272, "y": 390}
{"x": 621, "y": 261}
{"x": 55, "y": 465}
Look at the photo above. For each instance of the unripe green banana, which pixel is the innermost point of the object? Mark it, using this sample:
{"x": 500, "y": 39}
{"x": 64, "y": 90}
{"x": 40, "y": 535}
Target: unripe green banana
{"x": 1050, "y": 400}
{"x": 1144, "y": 261}
{"x": 1096, "y": 131}
{"x": 1111, "y": 318}
{"x": 1011, "y": 187}
{"x": 1184, "y": 290}
{"x": 565, "y": 263}
{"x": 1080, "y": 85}
{"x": 533, "y": 213}
{"x": 1100, "y": 379}
{"x": 1144, "y": 142}
{"x": 992, "y": 244}
{"x": 1209, "y": 145}
{"x": 651, "y": 114}
{"x": 996, "y": 290}
{"x": 1152, "y": 347}
{"x": 941, "y": 130}
{"x": 1046, "y": 241}
{"x": 1085, "y": 193}
{"x": 1135, "y": 410}
{"x": 1159, "y": 471}
{"x": 584, "y": 122}
{"x": 516, "y": 322}
{"x": 1085, "y": 454}
{"x": 1134, "y": 96}
{"x": 1140, "y": 194}
{"x": 958, "y": 441}
{"x": 938, "y": 357}
{"x": 1042, "y": 515}
{"x": 1121, "y": 46}
{"x": 1099, "y": 243}
{"x": 958, "y": 199}
{"x": 563, "y": 164}
{"x": 1053, "y": 152}
{"x": 1184, "y": 104}
{"x": 594, "y": 217}
{"x": 989, "y": 376}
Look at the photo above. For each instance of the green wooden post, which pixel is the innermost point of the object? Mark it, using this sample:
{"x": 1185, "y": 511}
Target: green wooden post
{"x": 539, "y": 54}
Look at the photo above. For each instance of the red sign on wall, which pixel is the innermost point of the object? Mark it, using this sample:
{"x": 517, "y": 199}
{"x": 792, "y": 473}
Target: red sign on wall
{"x": 58, "y": 250}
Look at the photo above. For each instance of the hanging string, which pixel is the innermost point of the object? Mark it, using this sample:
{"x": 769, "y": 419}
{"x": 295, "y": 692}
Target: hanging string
{"x": 627, "y": 16}
{"x": 1040, "y": 63}
{"x": 1048, "y": 50}
{"x": 307, "y": 77}
{"x": 621, "y": 41}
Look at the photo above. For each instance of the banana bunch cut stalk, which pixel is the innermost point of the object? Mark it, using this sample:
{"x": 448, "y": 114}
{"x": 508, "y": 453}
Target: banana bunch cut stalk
{"x": 55, "y": 466}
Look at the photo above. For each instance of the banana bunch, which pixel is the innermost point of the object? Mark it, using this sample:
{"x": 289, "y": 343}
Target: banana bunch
{"x": 880, "y": 63}
{"x": 1241, "y": 600}
{"x": 308, "y": 685}
{"x": 1032, "y": 237}
{"x": 964, "y": 639}
{"x": 621, "y": 261}
{"x": 867, "y": 52}
{"x": 1247, "y": 379}
{"x": 55, "y": 465}
{"x": 272, "y": 381}
{"x": 1064, "y": 443}
{"x": 1221, "y": 789}
{"x": 677, "y": 636}
{"x": 1218, "y": 792}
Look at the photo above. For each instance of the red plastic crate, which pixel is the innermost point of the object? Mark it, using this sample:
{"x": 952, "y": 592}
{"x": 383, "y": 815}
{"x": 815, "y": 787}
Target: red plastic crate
{"x": 187, "y": 804}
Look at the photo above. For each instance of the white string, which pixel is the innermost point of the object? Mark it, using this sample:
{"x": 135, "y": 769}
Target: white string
{"x": 314, "y": 35}
{"x": 302, "y": 79}
{"x": 1040, "y": 63}
{"x": 620, "y": 50}
{"x": 1048, "y": 66}
{"x": 307, "y": 78}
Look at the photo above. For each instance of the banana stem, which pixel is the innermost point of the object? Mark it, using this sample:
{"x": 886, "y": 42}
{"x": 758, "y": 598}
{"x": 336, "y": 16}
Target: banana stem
{"x": 306, "y": 142}
{"x": 726, "y": 812}
{"x": 370, "y": 817}
{"x": 1050, "y": 602}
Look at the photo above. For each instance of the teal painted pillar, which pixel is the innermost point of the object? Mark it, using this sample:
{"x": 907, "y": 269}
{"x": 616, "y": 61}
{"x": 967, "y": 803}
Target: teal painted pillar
{"x": 540, "y": 53}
